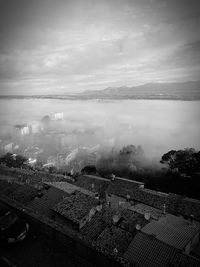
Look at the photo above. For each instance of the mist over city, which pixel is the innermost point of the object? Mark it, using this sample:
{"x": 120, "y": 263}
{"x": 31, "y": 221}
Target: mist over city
{"x": 112, "y": 124}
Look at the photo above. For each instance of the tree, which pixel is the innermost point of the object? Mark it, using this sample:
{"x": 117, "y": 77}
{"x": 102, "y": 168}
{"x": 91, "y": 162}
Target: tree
{"x": 89, "y": 169}
{"x": 13, "y": 160}
{"x": 124, "y": 163}
{"x": 169, "y": 159}
{"x": 185, "y": 161}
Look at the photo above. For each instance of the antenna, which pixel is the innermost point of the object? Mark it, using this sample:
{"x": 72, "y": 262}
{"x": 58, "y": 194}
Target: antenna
{"x": 164, "y": 209}
{"x": 128, "y": 197}
{"x": 147, "y": 216}
{"x": 138, "y": 227}
{"x": 115, "y": 250}
{"x": 116, "y": 218}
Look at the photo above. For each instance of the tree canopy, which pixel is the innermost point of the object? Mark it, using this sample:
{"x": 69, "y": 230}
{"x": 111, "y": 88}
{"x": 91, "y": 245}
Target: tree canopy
{"x": 13, "y": 160}
{"x": 184, "y": 161}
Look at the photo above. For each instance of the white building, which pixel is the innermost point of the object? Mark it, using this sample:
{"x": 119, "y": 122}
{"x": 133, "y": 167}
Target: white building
{"x": 58, "y": 116}
{"x": 35, "y": 128}
{"x": 23, "y": 129}
{"x": 8, "y": 148}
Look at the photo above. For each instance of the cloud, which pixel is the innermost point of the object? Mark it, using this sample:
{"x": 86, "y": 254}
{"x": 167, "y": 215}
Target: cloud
{"x": 119, "y": 41}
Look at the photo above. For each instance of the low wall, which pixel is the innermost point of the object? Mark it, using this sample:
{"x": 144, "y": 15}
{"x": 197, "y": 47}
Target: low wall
{"x": 30, "y": 176}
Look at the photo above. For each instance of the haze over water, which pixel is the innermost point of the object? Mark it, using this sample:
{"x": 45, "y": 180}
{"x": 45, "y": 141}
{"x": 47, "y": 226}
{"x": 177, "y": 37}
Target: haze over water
{"x": 156, "y": 125}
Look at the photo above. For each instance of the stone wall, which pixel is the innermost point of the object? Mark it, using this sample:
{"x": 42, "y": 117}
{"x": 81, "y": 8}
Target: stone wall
{"x": 32, "y": 177}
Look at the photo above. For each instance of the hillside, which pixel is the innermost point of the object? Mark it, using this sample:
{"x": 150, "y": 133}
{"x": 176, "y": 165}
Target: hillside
{"x": 162, "y": 91}
{"x": 182, "y": 91}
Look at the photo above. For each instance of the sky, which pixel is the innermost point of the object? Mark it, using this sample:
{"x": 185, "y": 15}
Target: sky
{"x": 58, "y": 47}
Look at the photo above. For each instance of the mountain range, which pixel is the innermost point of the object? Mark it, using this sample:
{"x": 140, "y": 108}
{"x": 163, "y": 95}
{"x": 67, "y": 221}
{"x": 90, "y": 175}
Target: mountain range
{"x": 171, "y": 91}
{"x": 182, "y": 91}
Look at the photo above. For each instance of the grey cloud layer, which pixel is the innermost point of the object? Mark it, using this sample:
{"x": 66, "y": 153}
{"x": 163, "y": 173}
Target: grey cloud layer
{"x": 79, "y": 45}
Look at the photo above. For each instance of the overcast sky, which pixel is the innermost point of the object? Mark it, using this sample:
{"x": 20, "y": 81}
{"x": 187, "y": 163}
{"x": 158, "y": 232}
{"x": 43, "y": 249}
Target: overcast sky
{"x": 49, "y": 47}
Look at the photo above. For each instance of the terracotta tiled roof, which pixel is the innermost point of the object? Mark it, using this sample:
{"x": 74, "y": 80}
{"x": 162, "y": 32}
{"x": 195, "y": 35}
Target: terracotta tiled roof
{"x": 92, "y": 229}
{"x": 50, "y": 198}
{"x": 20, "y": 192}
{"x": 92, "y": 183}
{"x": 143, "y": 208}
{"x": 183, "y": 260}
{"x": 148, "y": 251}
{"x": 76, "y": 206}
{"x": 69, "y": 188}
{"x": 172, "y": 230}
{"x": 130, "y": 219}
{"x": 122, "y": 188}
{"x": 113, "y": 238}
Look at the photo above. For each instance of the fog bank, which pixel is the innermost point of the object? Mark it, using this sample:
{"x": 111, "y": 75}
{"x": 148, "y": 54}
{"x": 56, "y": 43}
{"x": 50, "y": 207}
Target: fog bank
{"x": 157, "y": 126}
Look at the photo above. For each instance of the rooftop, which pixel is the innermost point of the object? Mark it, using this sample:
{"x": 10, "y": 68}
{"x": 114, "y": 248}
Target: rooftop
{"x": 21, "y": 193}
{"x": 20, "y": 126}
{"x": 50, "y": 198}
{"x": 183, "y": 260}
{"x": 69, "y": 188}
{"x": 93, "y": 228}
{"x": 113, "y": 238}
{"x": 172, "y": 230}
{"x": 130, "y": 219}
{"x": 143, "y": 209}
{"x": 148, "y": 251}
{"x": 92, "y": 183}
{"x": 75, "y": 206}
{"x": 122, "y": 188}
{"x": 156, "y": 193}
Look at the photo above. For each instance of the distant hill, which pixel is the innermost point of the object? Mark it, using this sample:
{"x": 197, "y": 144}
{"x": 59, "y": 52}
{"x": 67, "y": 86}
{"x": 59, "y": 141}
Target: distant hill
{"x": 170, "y": 91}
{"x": 182, "y": 91}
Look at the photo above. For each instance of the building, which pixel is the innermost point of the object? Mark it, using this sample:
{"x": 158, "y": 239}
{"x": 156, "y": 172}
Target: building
{"x": 174, "y": 231}
{"x": 91, "y": 158}
{"x": 32, "y": 152}
{"x": 35, "y": 128}
{"x": 8, "y": 148}
{"x": 113, "y": 240}
{"x": 58, "y": 116}
{"x": 147, "y": 251}
{"x": 137, "y": 235}
{"x": 70, "y": 188}
{"x": 23, "y": 129}
{"x": 121, "y": 190}
{"x": 61, "y": 160}
{"x": 77, "y": 209}
{"x": 147, "y": 211}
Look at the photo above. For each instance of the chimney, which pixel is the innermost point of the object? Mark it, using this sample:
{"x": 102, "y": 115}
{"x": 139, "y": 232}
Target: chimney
{"x": 128, "y": 197}
{"x": 192, "y": 218}
{"x": 115, "y": 250}
{"x": 164, "y": 209}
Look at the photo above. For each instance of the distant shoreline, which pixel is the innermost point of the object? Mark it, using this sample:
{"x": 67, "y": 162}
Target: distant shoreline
{"x": 99, "y": 98}
{"x": 185, "y": 91}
